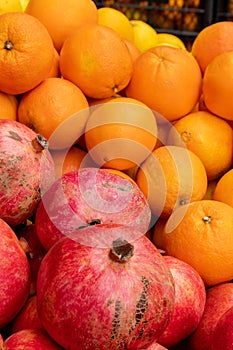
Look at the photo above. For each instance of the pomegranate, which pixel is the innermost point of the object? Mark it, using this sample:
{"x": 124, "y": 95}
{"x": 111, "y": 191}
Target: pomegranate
{"x": 222, "y": 337}
{"x": 26, "y": 170}
{"x": 190, "y": 298}
{"x": 34, "y": 249}
{"x": 27, "y": 317}
{"x": 90, "y": 196}
{"x": 120, "y": 297}
{"x": 30, "y": 339}
{"x": 219, "y": 299}
{"x": 14, "y": 275}
{"x": 156, "y": 346}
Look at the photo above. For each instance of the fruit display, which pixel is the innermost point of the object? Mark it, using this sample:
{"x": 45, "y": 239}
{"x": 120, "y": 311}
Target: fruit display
{"x": 180, "y": 17}
{"x": 116, "y": 176}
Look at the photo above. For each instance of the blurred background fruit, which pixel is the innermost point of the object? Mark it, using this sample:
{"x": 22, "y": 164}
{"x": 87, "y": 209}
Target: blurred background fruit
{"x": 116, "y": 20}
{"x": 144, "y": 35}
{"x": 10, "y": 5}
{"x": 24, "y": 4}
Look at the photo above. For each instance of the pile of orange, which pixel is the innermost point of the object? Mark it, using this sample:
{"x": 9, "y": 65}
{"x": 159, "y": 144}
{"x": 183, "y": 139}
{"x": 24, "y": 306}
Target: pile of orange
{"x": 162, "y": 116}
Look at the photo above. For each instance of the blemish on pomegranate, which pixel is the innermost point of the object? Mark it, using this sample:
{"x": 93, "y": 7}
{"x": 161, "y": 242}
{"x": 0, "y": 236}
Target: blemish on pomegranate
{"x": 141, "y": 307}
{"x": 15, "y": 136}
{"x": 116, "y": 320}
{"x": 142, "y": 303}
{"x": 90, "y": 223}
{"x": 117, "y": 186}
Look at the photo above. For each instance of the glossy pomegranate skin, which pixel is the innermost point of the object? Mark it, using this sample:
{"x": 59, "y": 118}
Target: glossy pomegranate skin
{"x": 30, "y": 339}
{"x": 26, "y": 170}
{"x": 87, "y": 196}
{"x": 88, "y": 300}
{"x": 14, "y": 275}
{"x": 27, "y": 317}
{"x": 190, "y": 299}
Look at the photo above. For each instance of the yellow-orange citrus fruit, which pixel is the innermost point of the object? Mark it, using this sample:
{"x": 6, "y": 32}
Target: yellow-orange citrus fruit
{"x": 223, "y": 190}
{"x": 210, "y": 189}
{"x": 97, "y": 60}
{"x": 208, "y": 136}
{"x": 171, "y": 177}
{"x": 133, "y": 50}
{"x": 218, "y": 85}
{"x": 120, "y": 133}
{"x": 62, "y": 17}
{"x": 166, "y": 79}
{"x": 157, "y": 232}
{"x": 116, "y": 20}
{"x": 56, "y": 109}
{"x": 145, "y": 36}
{"x": 71, "y": 159}
{"x": 26, "y": 54}
{"x": 10, "y": 6}
{"x": 55, "y": 69}
{"x": 168, "y": 39}
{"x": 200, "y": 234}
{"x": 8, "y": 106}
{"x": 211, "y": 41}
{"x": 120, "y": 173}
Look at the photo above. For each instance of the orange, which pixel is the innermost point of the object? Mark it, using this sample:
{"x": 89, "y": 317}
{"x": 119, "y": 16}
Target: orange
{"x": 120, "y": 134}
{"x": 55, "y": 69}
{"x": 133, "y": 50}
{"x": 70, "y": 160}
{"x": 218, "y": 85}
{"x": 120, "y": 173}
{"x": 212, "y": 41}
{"x": 208, "y": 136}
{"x": 8, "y": 106}
{"x": 62, "y": 17}
{"x": 26, "y": 54}
{"x": 10, "y": 6}
{"x": 145, "y": 36}
{"x": 223, "y": 190}
{"x": 56, "y": 109}
{"x": 97, "y": 60}
{"x": 171, "y": 177}
{"x": 169, "y": 40}
{"x": 100, "y": 101}
{"x": 116, "y": 20}
{"x": 210, "y": 189}
{"x": 200, "y": 234}
{"x": 166, "y": 79}
{"x": 164, "y": 127}
{"x": 157, "y": 232}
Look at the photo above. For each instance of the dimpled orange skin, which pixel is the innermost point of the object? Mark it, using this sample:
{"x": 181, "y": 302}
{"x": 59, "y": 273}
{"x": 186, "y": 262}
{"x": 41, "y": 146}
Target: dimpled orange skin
{"x": 200, "y": 234}
{"x": 166, "y": 79}
{"x": 26, "y": 54}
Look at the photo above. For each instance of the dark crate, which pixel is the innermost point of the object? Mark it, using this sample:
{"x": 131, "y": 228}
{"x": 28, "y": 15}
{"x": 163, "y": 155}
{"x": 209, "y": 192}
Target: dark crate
{"x": 184, "y": 18}
{"x": 224, "y": 10}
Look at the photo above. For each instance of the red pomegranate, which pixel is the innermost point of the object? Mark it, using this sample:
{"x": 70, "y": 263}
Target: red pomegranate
{"x": 34, "y": 249}
{"x": 86, "y": 197}
{"x": 118, "y": 297}
{"x": 30, "y": 339}
{"x": 27, "y": 317}
{"x": 14, "y": 275}
{"x": 26, "y": 170}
